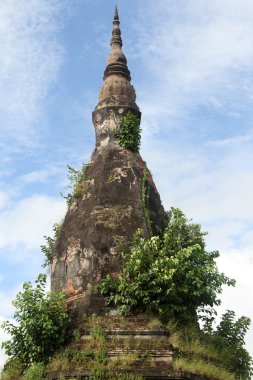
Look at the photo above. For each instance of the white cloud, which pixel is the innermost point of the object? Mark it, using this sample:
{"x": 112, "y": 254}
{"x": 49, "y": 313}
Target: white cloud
{"x": 196, "y": 53}
{"x": 3, "y": 199}
{"x": 39, "y": 175}
{"x": 29, "y": 220}
{"x": 29, "y": 61}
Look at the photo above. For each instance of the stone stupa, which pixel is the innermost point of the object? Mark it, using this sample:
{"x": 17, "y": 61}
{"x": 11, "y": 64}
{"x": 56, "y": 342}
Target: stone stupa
{"x": 117, "y": 197}
{"x": 111, "y": 206}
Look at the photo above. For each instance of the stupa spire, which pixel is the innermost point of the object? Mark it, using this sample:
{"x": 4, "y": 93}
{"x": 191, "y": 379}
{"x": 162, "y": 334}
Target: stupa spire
{"x": 116, "y": 61}
{"x": 116, "y": 32}
{"x": 116, "y": 13}
{"x": 117, "y": 89}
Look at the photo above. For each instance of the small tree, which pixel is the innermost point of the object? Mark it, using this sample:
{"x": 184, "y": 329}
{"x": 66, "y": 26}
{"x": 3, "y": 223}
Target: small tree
{"x": 232, "y": 333}
{"x": 172, "y": 276}
{"x": 41, "y": 324}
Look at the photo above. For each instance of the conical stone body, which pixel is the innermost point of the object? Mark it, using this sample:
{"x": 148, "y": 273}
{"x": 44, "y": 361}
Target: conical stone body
{"x": 117, "y": 197}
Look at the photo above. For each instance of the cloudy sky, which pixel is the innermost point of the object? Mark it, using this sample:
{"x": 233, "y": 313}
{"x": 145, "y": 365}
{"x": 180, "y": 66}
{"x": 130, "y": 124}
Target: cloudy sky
{"x": 192, "y": 66}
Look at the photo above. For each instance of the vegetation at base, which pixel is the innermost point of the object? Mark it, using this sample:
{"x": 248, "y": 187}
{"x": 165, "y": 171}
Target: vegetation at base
{"x": 98, "y": 333}
{"x": 49, "y": 248}
{"x": 199, "y": 367}
{"x": 77, "y": 185}
{"x": 230, "y": 333}
{"x": 196, "y": 351}
{"x": 35, "y": 372}
{"x": 168, "y": 277}
{"x": 172, "y": 276}
{"x": 13, "y": 369}
{"x": 218, "y": 353}
{"x": 128, "y": 132}
{"x": 40, "y": 324}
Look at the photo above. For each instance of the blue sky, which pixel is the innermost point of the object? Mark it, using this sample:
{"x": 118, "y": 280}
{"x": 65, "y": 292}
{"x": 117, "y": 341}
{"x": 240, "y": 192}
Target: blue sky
{"x": 192, "y": 66}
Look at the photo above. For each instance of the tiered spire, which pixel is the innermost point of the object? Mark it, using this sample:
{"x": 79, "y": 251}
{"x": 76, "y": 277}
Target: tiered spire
{"x": 117, "y": 89}
{"x": 116, "y": 62}
{"x": 116, "y": 33}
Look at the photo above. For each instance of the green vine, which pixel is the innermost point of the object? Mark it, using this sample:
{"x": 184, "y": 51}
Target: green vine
{"x": 128, "y": 132}
{"x": 145, "y": 199}
{"x": 49, "y": 248}
{"x": 77, "y": 183}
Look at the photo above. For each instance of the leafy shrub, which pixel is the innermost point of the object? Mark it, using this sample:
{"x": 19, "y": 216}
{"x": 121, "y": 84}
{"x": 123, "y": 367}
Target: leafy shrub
{"x": 231, "y": 334}
{"x": 172, "y": 276}
{"x": 222, "y": 347}
{"x": 41, "y": 322}
{"x": 35, "y": 372}
{"x": 77, "y": 185}
{"x": 129, "y": 132}
{"x": 49, "y": 248}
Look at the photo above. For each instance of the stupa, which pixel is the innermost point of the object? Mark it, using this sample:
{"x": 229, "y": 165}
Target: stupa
{"x": 117, "y": 196}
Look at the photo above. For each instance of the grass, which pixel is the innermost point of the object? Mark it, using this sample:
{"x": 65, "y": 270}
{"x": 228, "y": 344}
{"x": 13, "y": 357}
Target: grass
{"x": 191, "y": 341}
{"x": 154, "y": 323}
{"x": 98, "y": 333}
{"x": 199, "y": 367}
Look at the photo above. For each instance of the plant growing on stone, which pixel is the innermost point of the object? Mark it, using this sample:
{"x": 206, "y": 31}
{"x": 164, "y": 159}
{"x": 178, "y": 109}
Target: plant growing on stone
{"x": 35, "y": 372}
{"x": 98, "y": 333}
{"x": 218, "y": 352}
{"x": 128, "y": 132}
{"x": 77, "y": 186}
{"x": 40, "y": 324}
{"x": 49, "y": 248}
{"x": 172, "y": 276}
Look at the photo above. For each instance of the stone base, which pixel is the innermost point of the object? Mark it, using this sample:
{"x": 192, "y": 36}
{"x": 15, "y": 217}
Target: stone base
{"x": 120, "y": 346}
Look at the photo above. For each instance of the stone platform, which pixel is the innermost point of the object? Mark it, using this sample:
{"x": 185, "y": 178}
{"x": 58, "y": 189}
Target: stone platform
{"x": 116, "y": 346}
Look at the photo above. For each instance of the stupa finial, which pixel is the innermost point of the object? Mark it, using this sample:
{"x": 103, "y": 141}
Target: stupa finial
{"x": 116, "y": 13}
{"x": 116, "y": 33}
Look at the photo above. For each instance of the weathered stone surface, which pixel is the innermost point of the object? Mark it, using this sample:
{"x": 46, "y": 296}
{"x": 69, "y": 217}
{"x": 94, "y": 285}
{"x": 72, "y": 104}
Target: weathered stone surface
{"x": 112, "y": 205}
{"x": 108, "y": 213}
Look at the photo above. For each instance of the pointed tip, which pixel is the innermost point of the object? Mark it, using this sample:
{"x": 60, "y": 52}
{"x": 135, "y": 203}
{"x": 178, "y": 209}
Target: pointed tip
{"x": 116, "y": 13}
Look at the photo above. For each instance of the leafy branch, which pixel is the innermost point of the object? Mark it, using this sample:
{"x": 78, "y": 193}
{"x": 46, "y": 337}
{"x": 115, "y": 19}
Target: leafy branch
{"x": 49, "y": 248}
{"x": 77, "y": 183}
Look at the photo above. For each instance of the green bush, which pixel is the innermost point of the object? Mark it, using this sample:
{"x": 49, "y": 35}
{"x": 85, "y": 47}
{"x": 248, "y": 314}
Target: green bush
{"x": 77, "y": 185}
{"x": 41, "y": 324}
{"x": 49, "y": 248}
{"x": 172, "y": 276}
{"x": 219, "y": 352}
{"x": 35, "y": 372}
{"x": 231, "y": 334}
{"x": 128, "y": 132}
